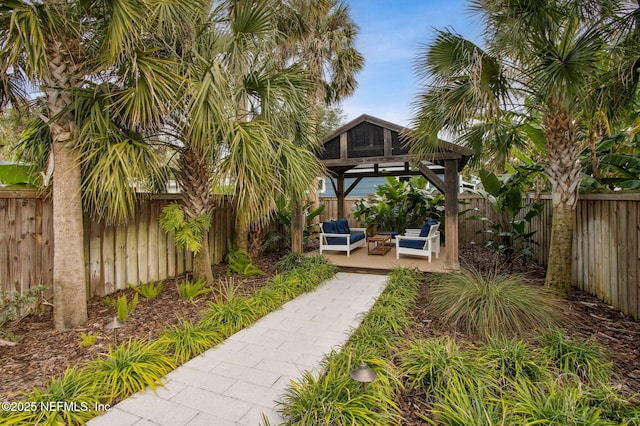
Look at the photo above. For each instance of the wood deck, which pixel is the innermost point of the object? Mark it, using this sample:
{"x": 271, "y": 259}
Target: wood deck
{"x": 361, "y": 261}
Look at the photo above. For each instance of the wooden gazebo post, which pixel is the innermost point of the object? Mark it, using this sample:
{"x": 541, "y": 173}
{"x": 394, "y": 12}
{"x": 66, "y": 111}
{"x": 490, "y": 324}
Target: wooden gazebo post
{"x": 451, "y": 214}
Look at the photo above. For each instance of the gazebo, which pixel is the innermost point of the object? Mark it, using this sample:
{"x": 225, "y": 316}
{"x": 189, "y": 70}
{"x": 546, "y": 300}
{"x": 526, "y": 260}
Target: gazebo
{"x": 371, "y": 147}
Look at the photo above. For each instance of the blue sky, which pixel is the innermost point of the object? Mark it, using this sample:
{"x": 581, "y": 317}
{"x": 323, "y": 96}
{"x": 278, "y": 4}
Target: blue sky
{"x": 392, "y": 33}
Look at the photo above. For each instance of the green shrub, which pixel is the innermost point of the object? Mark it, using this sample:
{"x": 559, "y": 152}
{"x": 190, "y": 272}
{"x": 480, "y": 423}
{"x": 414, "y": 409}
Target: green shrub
{"x": 266, "y": 300}
{"x": 71, "y": 399}
{"x": 585, "y": 359}
{"x": 335, "y": 399}
{"x": 511, "y": 360}
{"x": 88, "y": 339}
{"x": 186, "y": 340}
{"x": 557, "y": 402}
{"x": 230, "y": 312}
{"x": 432, "y": 364}
{"x": 190, "y": 290}
{"x": 388, "y": 317}
{"x": 281, "y": 284}
{"x": 290, "y": 261}
{"x": 130, "y": 368}
{"x": 124, "y": 308}
{"x": 240, "y": 263}
{"x": 490, "y": 305}
{"x": 462, "y": 403}
{"x": 149, "y": 290}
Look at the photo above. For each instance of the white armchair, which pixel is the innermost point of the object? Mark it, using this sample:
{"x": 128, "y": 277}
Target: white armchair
{"x": 417, "y": 242}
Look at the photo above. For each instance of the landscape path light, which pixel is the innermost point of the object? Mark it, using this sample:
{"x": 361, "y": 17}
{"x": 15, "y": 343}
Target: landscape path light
{"x": 114, "y": 325}
{"x": 364, "y": 375}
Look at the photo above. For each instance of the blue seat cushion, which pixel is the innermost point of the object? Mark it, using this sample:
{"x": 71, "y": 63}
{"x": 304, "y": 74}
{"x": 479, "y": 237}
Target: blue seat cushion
{"x": 424, "y": 231}
{"x": 343, "y": 226}
{"x": 341, "y": 241}
{"x": 413, "y": 244}
{"x": 330, "y": 227}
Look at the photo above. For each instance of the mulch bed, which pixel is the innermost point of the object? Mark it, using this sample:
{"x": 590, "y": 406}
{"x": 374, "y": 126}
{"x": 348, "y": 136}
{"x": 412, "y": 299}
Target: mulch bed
{"x": 44, "y": 352}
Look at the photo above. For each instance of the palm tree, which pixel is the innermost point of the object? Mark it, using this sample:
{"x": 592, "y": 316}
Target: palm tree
{"x": 321, "y": 36}
{"x": 543, "y": 58}
{"x": 232, "y": 125}
{"x": 74, "y": 51}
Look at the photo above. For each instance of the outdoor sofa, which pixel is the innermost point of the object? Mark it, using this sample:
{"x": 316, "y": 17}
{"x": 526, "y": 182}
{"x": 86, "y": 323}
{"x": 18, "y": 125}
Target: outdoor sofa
{"x": 337, "y": 236}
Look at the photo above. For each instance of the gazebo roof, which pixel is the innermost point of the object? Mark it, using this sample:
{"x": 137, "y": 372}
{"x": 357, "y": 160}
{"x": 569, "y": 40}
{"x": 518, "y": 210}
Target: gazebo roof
{"x": 367, "y": 141}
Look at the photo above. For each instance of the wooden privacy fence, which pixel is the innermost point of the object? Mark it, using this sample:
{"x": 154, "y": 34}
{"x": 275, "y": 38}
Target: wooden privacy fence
{"x": 606, "y": 245}
{"x": 114, "y": 255}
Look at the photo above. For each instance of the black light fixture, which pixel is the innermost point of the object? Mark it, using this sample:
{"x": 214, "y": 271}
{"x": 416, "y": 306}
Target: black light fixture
{"x": 114, "y": 325}
{"x": 364, "y": 375}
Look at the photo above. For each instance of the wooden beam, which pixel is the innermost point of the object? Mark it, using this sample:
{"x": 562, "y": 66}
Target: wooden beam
{"x": 388, "y": 147}
{"x": 382, "y": 174}
{"x": 452, "y": 260}
{"x": 344, "y": 153}
{"x": 352, "y": 186}
{"x": 340, "y": 195}
{"x": 433, "y": 178}
{"x": 439, "y": 156}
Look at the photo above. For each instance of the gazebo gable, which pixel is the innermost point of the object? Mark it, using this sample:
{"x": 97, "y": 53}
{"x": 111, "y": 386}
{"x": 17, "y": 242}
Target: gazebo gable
{"x": 370, "y": 140}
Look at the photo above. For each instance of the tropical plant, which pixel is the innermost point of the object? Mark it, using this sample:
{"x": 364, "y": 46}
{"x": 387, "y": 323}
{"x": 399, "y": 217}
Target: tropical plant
{"x": 240, "y": 263}
{"x": 490, "y": 305}
{"x": 551, "y": 60}
{"x": 187, "y": 340}
{"x": 186, "y": 233}
{"x": 69, "y": 400}
{"x": 149, "y": 290}
{"x": 397, "y": 206}
{"x": 129, "y": 368}
{"x": 125, "y": 307}
{"x": 283, "y": 217}
{"x": 508, "y": 235}
{"x": 320, "y": 36}
{"x": 88, "y": 339}
{"x": 96, "y": 111}
{"x": 618, "y": 164}
{"x": 190, "y": 290}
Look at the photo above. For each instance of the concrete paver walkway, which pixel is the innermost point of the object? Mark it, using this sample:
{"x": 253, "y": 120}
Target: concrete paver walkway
{"x": 238, "y": 380}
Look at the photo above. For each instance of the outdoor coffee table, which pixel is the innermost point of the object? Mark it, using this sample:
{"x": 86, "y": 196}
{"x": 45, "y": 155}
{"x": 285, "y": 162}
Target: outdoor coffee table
{"x": 380, "y": 246}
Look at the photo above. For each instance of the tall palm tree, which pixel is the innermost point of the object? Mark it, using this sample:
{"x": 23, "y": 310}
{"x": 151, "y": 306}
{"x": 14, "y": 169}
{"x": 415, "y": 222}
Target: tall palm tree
{"x": 321, "y": 36}
{"x": 65, "y": 48}
{"x": 230, "y": 123}
{"x": 542, "y": 58}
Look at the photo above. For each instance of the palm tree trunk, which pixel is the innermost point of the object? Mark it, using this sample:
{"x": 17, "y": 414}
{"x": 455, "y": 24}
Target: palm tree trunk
{"x": 241, "y": 237}
{"x": 69, "y": 288}
{"x": 202, "y": 262}
{"x": 563, "y": 170}
{"x": 561, "y": 245}
{"x": 69, "y": 280}
{"x": 195, "y": 178}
